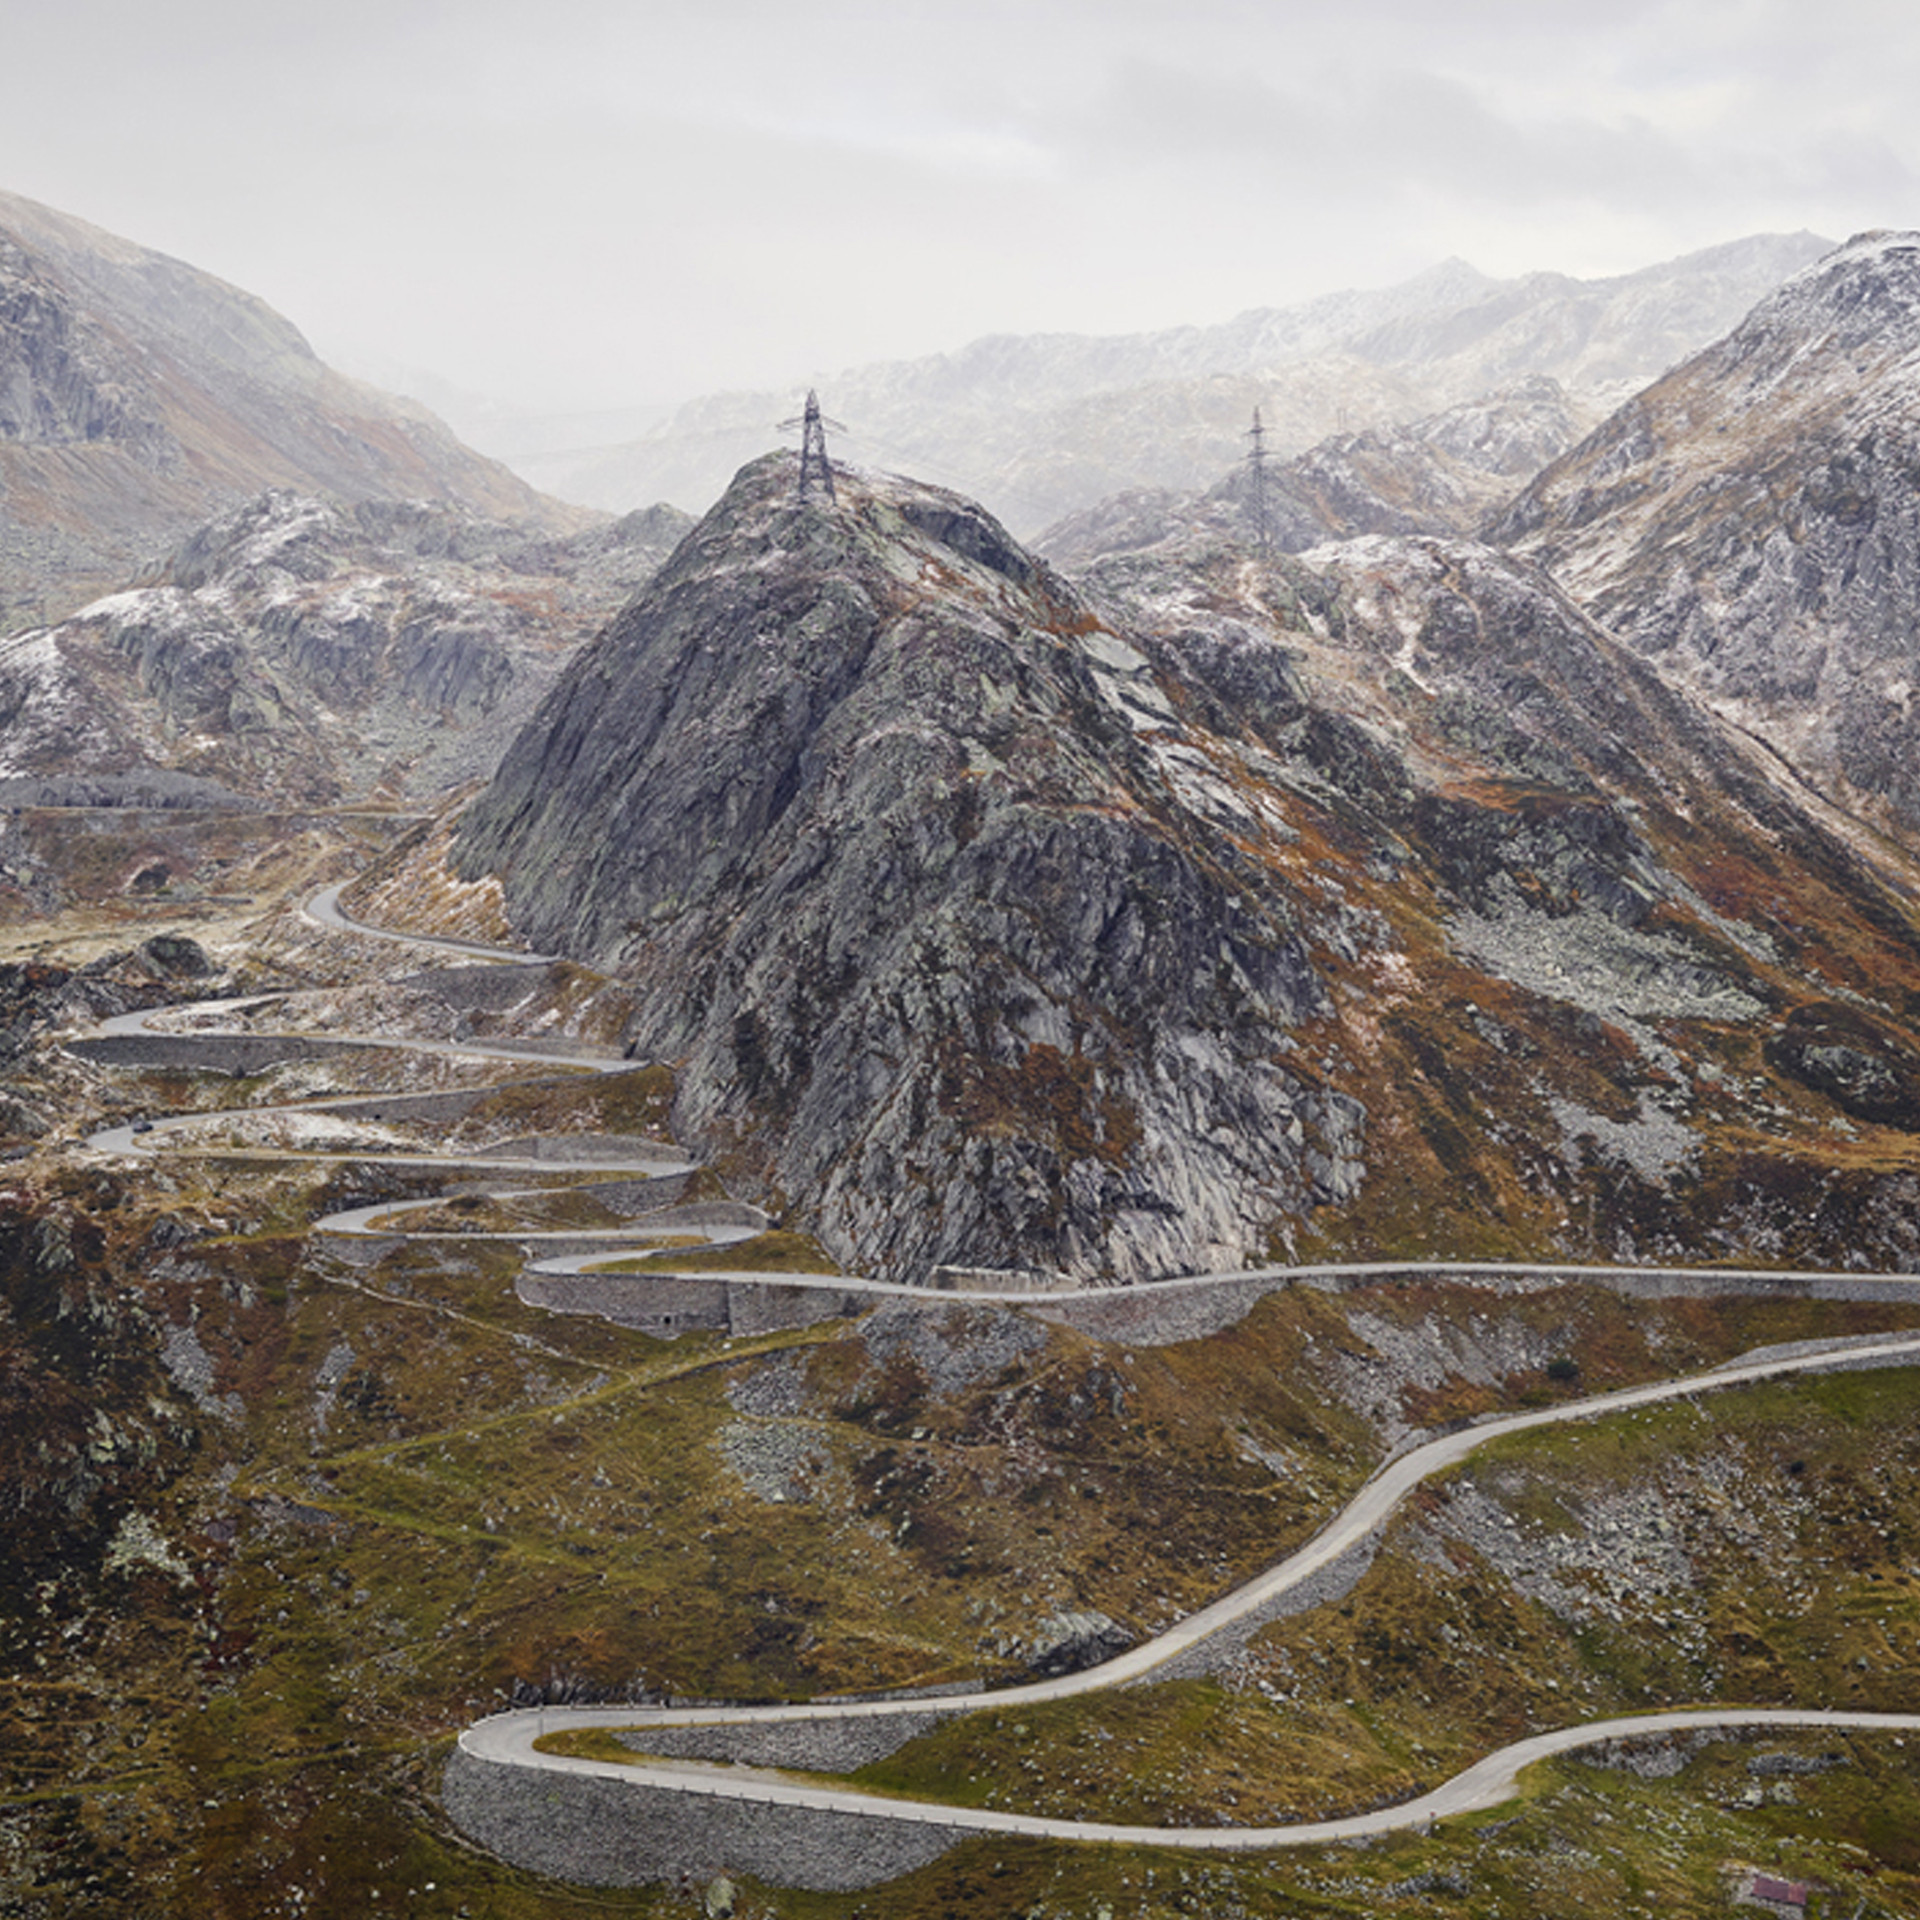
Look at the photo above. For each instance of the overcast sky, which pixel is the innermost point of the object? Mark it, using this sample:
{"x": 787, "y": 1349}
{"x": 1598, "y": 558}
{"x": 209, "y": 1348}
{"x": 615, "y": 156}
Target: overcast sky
{"x": 582, "y": 203}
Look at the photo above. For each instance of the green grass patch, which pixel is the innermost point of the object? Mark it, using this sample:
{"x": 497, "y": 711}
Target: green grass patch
{"x": 778, "y": 1251}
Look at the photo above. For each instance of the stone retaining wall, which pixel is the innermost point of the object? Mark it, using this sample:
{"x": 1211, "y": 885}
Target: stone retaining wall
{"x": 755, "y": 1306}
{"x": 666, "y": 1304}
{"x": 1151, "y": 1316}
{"x": 608, "y": 1833}
{"x": 662, "y": 1304}
{"x": 234, "y": 1054}
{"x": 647, "y": 1193}
{"x": 445, "y": 1109}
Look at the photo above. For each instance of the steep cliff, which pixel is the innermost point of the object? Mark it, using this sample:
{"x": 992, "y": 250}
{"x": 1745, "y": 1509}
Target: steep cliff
{"x": 869, "y": 808}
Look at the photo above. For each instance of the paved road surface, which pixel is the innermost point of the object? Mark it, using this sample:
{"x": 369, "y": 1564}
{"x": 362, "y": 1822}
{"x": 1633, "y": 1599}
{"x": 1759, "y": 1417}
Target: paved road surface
{"x": 1368, "y": 1509}
{"x": 325, "y": 910}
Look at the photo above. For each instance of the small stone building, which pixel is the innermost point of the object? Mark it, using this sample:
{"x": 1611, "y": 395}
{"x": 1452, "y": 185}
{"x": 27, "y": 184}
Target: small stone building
{"x": 1771, "y": 1895}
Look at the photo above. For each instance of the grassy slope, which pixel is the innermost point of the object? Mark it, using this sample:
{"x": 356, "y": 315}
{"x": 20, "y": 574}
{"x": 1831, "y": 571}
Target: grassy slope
{"x": 497, "y": 1495}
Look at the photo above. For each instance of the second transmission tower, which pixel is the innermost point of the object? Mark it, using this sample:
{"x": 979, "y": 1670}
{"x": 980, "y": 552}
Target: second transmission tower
{"x": 1257, "y": 465}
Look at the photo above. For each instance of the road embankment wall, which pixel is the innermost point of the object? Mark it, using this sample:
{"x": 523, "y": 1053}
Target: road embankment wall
{"x": 609, "y": 1833}
{"x": 237, "y": 1055}
{"x": 1164, "y": 1315}
{"x": 666, "y": 1304}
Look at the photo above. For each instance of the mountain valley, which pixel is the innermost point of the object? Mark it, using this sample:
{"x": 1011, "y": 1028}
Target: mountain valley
{"x": 797, "y": 1153}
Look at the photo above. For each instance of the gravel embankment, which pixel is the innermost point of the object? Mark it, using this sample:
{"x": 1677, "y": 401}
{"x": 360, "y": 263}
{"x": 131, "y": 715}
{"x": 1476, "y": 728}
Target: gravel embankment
{"x": 1220, "y": 1650}
{"x": 818, "y": 1746}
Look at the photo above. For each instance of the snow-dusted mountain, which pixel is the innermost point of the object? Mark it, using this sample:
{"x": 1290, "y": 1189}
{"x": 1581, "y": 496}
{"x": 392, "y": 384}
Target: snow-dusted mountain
{"x": 1441, "y": 474}
{"x": 295, "y": 650}
{"x": 1040, "y": 426}
{"x": 1752, "y": 522}
{"x": 139, "y": 395}
{"x": 1170, "y": 917}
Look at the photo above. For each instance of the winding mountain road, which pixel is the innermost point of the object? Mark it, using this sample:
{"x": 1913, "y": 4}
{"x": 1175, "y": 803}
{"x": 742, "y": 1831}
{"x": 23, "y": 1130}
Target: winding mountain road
{"x": 509, "y": 1739}
{"x": 1487, "y": 1783}
{"x": 324, "y": 910}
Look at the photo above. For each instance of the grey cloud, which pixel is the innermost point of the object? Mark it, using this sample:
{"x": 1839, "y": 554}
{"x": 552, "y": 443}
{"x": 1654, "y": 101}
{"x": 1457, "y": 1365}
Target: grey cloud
{"x": 614, "y": 200}
{"x": 1367, "y": 134}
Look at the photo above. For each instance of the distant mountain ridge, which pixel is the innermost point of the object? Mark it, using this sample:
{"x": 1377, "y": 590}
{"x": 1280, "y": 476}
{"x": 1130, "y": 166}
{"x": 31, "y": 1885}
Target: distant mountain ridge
{"x": 139, "y": 395}
{"x": 1043, "y": 425}
{"x": 1443, "y": 474}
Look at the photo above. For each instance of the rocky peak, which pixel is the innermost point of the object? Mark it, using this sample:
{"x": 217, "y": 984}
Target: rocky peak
{"x": 1865, "y": 294}
{"x": 995, "y": 922}
{"x": 295, "y": 536}
{"x": 867, "y": 806}
{"x": 1751, "y": 522}
{"x": 738, "y": 683}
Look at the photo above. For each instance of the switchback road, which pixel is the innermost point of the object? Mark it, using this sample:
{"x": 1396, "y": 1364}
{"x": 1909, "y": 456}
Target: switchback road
{"x": 509, "y": 1740}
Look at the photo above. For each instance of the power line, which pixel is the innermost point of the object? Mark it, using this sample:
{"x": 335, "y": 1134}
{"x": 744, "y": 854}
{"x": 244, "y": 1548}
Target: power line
{"x": 913, "y": 462}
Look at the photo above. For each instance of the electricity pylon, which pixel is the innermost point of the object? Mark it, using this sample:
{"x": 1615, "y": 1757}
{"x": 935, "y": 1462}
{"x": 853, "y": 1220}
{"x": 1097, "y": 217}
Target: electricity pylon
{"x": 813, "y": 425}
{"x": 1257, "y": 461}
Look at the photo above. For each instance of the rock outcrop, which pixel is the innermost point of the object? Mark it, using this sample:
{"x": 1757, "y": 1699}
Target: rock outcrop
{"x": 296, "y": 650}
{"x": 863, "y": 802}
{"x": 1071, "y": 1642}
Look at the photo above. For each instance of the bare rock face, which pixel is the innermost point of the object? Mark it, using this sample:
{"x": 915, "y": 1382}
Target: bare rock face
{"x": 865, "y": 803}
{"x": 1751, "y": 522}
{"x": 298, "y": 650}
{"x": 1161, "y": 923}
{"x": 59, "y": 386}
{"x": 1070, "y": 1642}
